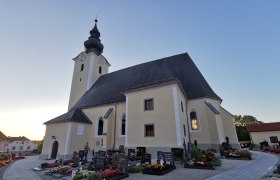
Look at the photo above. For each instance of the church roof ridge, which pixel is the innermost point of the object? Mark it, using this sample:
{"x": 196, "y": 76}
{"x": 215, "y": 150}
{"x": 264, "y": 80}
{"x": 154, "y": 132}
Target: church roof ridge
{"x": 111, "y": 87}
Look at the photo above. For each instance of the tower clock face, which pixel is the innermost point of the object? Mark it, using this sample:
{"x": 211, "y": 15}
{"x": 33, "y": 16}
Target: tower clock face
{"x": 83, "y": 58}
{"x": 102, "y": 60}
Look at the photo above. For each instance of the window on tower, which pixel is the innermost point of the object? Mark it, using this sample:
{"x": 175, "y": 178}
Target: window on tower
{"x": 82, "y": 67}
{"x": 100, "y": 127}
{"x": 100, "y": 69}
{"x": 123, "y": 125}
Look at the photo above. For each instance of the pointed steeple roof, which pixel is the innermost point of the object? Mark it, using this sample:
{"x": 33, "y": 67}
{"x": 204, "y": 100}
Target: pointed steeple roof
{"x": 93, "y": 44}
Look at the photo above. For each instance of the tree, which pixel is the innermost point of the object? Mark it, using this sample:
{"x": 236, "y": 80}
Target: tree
{"x": 240, "y": 125}
{"x": 245, "y": 120}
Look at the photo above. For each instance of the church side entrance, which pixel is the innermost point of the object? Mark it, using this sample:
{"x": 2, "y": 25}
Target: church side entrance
{"x": 54, "y": 150}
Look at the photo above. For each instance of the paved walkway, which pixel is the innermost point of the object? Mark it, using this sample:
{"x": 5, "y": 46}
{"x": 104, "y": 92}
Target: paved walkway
{"x": 251, "y": 170}
{"x": 22, "y": 169}
{"x": 230, "y": 169}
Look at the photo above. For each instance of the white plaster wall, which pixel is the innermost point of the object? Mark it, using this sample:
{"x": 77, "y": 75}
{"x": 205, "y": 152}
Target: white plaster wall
{"x": 182, "y": 115}
{"x": 59, "y": 130}
{"x": 83, "y": 80}
{"x": 258, "y": 137}
{"x": 229, "y": 128}
{"x": 163, "y": 117}
{"x": 78, "y": 142}
{"x": 94, "y": 114}
{"x": 23, "y": 144}
{"x": 207, "y": 133}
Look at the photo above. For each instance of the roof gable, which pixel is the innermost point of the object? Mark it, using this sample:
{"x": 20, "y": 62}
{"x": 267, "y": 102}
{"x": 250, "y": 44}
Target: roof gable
{"x": 212, "y": 108}
{"x": 3, "y": 137}
{"x": 71, "y": 116}
{"x": 110, "y": 88}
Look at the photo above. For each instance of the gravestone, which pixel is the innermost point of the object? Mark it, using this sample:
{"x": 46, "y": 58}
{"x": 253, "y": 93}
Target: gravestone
{"x": 81, "y": 154}
{"x": 101, "y": 153}
{"x": 178, "y": 153}
{"x": 75, "y": 159}
{"x": 146, "y": 158}
{"x": 121, "y": 149}
{"x": 120, "y": 161}
{"x": 169, "y": 157}
{"x": 90, "y": 155}
{"x": 141, "y": 150}
{"x": 160, "y": 155}
{"x": 98, "y": 162}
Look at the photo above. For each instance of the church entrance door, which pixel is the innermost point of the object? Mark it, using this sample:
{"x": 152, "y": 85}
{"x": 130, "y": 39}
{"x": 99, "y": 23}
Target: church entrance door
{"x": 54, "y": 150}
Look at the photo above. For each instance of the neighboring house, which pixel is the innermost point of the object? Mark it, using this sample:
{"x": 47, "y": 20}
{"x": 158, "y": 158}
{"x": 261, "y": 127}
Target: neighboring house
{"x": 20, "y": 144}
{"x": 3, "y": 142}
{"x": 269, "y": 132}
{"x": 157, "y": 104}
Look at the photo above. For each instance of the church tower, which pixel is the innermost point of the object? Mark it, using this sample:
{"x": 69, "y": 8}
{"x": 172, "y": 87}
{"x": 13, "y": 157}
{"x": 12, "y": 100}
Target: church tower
{"x": 89, "y": 66}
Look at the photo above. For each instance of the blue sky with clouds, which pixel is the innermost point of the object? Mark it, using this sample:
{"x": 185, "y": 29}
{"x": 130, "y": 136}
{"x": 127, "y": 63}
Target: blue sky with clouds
{"x": 235, "y": 44}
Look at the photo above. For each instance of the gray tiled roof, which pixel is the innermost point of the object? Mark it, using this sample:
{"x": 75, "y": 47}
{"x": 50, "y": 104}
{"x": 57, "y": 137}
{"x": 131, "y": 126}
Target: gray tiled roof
{"x": 213, "y": 109}
{"x": 108, "y": 113}
{"x": 110, "y": 88}
{"x": 71, "y": 116}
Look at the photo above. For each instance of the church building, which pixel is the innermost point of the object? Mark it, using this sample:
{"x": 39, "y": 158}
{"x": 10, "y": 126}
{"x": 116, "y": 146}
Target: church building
{"x": 157, "y": 105}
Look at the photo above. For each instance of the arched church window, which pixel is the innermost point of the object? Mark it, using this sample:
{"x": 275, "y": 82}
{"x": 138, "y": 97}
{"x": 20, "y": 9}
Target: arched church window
{"x": 100, "y": 127}
{"x": 82, "y": 67}
{"x": 100, "y": 69}
{"x": 123, "y": 125}
{"x": 194, "y": 121}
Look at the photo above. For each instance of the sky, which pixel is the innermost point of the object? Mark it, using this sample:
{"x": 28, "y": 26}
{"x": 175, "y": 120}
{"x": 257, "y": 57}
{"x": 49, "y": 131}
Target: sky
{"x": 235, "y": 45}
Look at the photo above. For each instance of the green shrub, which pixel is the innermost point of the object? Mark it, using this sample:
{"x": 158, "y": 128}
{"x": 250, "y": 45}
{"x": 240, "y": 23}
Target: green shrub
{"x": 135, "y": 169}
{"x": 95, "y": 176}
{"x": 216, "y": 162}
{"x": 245, "y": 154}
{"x": 196, "y": 153}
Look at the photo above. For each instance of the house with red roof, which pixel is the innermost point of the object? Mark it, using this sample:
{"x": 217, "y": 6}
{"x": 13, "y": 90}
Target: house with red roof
{"x": 20, "y": 144}
{"x": 269, "y": 132}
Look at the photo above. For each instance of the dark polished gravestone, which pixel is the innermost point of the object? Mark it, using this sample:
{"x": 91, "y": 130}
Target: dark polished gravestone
{"x": 167, "y": 157}
{"x": 120, "y": 161}
{"x": 178, "y": 153}
{"x": 99, "y": 163}
{"x": 140, "y": 151}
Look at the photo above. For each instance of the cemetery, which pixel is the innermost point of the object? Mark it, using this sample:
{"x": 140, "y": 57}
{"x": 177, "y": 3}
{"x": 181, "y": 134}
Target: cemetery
{"x": 118, "y": 164}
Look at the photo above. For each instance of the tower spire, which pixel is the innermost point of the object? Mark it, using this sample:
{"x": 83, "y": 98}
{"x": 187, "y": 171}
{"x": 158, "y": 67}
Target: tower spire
{"x": 93, "y": 44}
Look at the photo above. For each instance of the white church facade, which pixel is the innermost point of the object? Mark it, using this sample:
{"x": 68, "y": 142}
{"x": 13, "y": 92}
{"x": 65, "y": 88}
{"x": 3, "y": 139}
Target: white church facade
{"x": 156, "y": 105}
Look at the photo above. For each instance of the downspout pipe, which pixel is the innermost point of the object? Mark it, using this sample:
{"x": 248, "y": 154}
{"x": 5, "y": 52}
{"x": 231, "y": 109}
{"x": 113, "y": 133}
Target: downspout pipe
{"x": 188, "y": 122}
{"x": 115, "y": 124}
{"x": 188, "y": 125}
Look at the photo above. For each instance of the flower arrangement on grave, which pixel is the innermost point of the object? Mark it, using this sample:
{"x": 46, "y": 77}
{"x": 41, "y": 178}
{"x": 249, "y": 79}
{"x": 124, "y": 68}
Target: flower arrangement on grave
{"x": 49, "y": 165}
{"x": 83, "y": 174}
{"x": 135, "y": 169}
{"x": 5, "y": 159}
{"x": 204, "y": 159}
{"x": 239, "y": 154}
{"x": 110, "y": 173}
{"x": 160, "y": 166}
{"x": 67, "y": 162}
{"x": 61, "y": 170}
{"x": 201, "y": 164}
